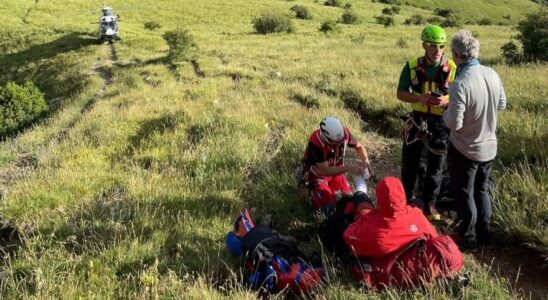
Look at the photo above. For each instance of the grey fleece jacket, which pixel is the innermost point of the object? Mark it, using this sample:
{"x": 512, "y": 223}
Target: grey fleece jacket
{"x": 476, "y": 95}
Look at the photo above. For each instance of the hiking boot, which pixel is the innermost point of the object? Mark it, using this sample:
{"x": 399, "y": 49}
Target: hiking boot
{"x": 469, "y": 245}
{"x": 465, "y": 245}
{"x": 432, "y": 214}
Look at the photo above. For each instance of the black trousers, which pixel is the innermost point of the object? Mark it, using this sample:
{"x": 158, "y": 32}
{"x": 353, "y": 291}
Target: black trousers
{"x": 470, "y": 182}
{"x": 411, "y": 157}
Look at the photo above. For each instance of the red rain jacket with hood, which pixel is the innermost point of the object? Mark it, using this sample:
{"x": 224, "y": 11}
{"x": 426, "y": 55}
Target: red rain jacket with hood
{"x": 391, "y": 227}
{"x": 404, "y": 248}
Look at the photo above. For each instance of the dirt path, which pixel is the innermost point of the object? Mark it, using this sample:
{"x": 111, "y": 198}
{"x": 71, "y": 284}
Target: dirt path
{"x": 524, "y": 269}
{"x": 103, "y": 70}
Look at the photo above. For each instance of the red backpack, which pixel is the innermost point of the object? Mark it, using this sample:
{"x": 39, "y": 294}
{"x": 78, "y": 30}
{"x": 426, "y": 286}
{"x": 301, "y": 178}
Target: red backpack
{"x": 420, "y": 262}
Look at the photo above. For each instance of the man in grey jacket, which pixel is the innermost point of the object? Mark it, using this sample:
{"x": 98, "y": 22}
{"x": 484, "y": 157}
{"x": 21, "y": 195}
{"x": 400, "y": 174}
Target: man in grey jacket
{"x": 476, "y": 97}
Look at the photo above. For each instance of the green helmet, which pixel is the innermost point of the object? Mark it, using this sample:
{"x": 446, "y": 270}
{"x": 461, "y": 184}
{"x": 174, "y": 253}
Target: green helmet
{"x": 433, "y": 34}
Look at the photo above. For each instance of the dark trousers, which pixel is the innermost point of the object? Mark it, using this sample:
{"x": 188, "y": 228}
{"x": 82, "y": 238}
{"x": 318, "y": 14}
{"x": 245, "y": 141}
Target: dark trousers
{"x": 470, "y": 182}
{"x": 411, "y": 156}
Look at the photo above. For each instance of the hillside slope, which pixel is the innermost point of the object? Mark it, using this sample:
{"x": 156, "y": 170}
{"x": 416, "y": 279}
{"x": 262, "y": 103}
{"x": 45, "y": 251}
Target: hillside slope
{"x": 128, "y": 190}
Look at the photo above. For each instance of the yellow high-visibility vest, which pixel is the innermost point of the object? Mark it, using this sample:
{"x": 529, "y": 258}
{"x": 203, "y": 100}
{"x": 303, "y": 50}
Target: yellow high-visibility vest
{"x": 422, "y": 84}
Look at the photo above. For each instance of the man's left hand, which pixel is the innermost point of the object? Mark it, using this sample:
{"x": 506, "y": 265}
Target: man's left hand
{"x": 444, "y": 101}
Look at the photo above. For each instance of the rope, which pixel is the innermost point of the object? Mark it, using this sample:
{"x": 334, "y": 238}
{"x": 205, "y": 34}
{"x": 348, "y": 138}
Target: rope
{"x": 422, "y": 135}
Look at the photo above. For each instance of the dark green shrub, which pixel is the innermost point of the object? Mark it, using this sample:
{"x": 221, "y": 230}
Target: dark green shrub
{"x": 347, "y": 5}
{"x": 349, "y": 17}
{"x": 181, "y": 44}
{"x": 152, "y": 25}
{"x": 485, "y": 21}
{"x": 444, "y": 12}
{"x": 434, "y": 20}
{"x": 415, "y": 20}
{"x": 452, "y": 21}
{"x": 20, "y": 106}
{"x": 301, "y": 12}
{"x": 335, "y": 3}
{"x": 511, "y": 54}
{"x": 387, "y": 11}
{"x": 393, "y": 2}
{"x": 396, "y": 9}
{"x": 329, "y": 26}
{"x": 271, "y": 23}
{"x": 385, "y": 20}
{"x": 534, "y": 35}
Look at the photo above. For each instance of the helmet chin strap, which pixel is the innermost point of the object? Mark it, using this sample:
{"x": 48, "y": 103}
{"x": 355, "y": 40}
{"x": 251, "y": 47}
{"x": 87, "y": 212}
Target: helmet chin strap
{"x": 324, "y": 138}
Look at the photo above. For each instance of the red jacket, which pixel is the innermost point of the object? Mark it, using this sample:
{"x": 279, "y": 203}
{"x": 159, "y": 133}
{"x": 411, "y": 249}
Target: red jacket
{"x": 391, "y": 227}
{"x": 318, "y": 151}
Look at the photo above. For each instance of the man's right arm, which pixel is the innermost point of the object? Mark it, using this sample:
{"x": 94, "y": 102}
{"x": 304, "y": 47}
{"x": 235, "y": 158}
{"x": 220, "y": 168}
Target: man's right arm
{"x": 323, "y": 169}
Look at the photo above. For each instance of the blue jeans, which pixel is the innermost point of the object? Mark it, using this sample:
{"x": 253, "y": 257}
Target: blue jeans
{"x": 470, "y": 182}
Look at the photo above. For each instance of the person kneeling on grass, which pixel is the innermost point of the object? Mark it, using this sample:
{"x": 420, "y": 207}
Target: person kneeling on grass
{"x": 403, "y": 248}
{"x": 274, "y": 261}
{"x": 324, "y": 170}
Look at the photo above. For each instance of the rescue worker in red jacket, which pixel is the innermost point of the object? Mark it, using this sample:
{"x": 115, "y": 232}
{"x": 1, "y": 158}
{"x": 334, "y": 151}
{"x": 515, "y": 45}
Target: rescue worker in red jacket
{"x": 402, "y": 245}
{"x": 324, "y": 162}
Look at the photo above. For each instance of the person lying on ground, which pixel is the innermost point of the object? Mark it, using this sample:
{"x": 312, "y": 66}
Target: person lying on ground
{"x": 273, "y": 260}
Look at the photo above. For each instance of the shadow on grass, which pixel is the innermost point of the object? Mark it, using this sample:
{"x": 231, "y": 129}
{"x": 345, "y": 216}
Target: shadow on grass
{"x": 160, "y": 125}
{"x": 381, "y": 119}
{"x": 41, "y": 64}
{"x": 70, "y": 42}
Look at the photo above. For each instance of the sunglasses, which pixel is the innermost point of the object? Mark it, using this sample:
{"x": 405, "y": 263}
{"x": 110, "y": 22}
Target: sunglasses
{"x": 435, "y": 46}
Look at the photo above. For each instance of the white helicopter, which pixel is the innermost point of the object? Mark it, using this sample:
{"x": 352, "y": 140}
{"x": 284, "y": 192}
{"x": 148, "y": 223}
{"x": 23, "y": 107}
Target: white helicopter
{"x": 108, "y": 26}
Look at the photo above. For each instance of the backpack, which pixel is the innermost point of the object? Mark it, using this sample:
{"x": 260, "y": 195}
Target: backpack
{"x": 274, "y": 261}
{"x": 421, "y": 261}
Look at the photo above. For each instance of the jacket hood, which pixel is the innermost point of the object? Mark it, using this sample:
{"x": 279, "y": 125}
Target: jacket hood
{"x": 390, "y": 197}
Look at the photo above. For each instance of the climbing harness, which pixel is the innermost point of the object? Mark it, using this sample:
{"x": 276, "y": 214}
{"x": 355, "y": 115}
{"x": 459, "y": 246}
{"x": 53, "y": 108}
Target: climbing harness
{"x": 422, "y": 135}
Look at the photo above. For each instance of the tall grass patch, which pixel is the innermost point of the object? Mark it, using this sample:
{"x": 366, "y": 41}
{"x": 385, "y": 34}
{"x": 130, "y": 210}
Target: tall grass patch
{"x": 522, "y": 204}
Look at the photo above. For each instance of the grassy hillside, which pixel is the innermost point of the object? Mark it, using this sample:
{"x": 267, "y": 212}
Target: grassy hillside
{"x": 129, "y": 188}
{"x": 495, "y": 10}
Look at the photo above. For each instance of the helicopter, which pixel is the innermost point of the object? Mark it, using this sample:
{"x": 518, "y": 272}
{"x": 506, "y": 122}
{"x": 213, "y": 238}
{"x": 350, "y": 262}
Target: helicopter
{"x": 108, "y": 26}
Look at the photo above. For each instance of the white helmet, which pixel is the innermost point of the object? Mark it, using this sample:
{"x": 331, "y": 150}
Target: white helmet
{"x": 332, "y": 130}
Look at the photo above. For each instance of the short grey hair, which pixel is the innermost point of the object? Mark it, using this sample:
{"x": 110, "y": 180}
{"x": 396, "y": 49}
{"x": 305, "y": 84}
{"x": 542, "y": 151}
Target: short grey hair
{"x": 465, "y": 45}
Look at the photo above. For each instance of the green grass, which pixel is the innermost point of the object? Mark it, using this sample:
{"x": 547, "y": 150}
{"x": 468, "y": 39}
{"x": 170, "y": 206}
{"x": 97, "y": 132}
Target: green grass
{"x": 135, "y": 183}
